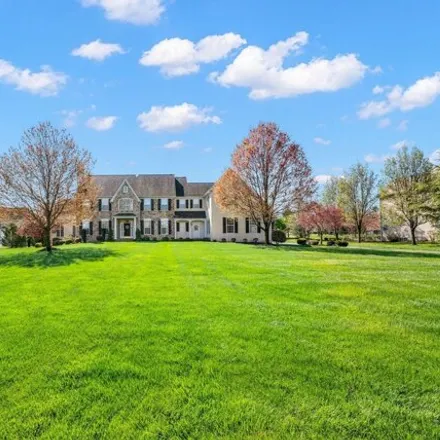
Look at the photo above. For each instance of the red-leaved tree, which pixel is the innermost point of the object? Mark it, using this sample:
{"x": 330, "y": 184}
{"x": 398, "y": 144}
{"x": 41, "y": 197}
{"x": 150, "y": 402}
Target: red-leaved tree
{"x": 313, "y": 218}
{"x": 268, "y": 176}
{"x": 334, "y": 219}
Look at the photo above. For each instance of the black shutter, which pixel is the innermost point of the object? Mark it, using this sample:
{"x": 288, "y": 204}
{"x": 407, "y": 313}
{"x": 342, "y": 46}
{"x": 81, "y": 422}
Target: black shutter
{"x": 178, "y": 227}
{"x": 236, "y": 225}
{"x": 259, "y": 227}
{"x": 201, "y": 203}
{"x": 177, "y": 204}
{"x": 109, "y": 205}
{"x": 91, "y": 228}
{"x": 142, "y": 204}
{"x": 99, "y": 227}
{"x": 159, "y": 205}
{"x": 192, "y": 203}
{"x": 187, "y": 226}
{"x": 169, "y": 227}
{"x": 187, "y": 203}
{"x": 224, "y": 225}
{"x": 169, "y": 205}
{"x": 152, "y": 227}
{"x": 142, "y": 227}
{"x": 247, "y": 225}
{"x": 152, "y": 204}
{"x": 159, "y": 227}
{"x": 100, "y": 205}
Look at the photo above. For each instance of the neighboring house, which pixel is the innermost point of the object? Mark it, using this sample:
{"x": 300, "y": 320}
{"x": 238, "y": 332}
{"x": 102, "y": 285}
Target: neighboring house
{"x": 10, "y": 216}
{"x": 161, "y": 206}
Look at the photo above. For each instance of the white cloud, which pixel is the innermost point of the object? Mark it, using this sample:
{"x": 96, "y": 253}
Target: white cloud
{"x": 175, "y": 118}
{"x": 377, "y": 90}
{"x": 323, "y": 178}
{"x": 421, "y": 94}
{"x": 97, "y": 50}
{"x": 383, "y": 123}
{"x": 435, "y": 157}
{"x": 372, "y": 158}
{"x": 400, "y": 144}
{"x": 174, "y": 145}
{"x": 178, "y": 57}
{"x": 403, "y": 125}
{"x": 137, "y": 12}
{"x": 102, "y": 123}
{"x": 376, "y": 70}
{"x": 70, "y": 117}
{"x": 321, "y": 141}
{"x": 44, "y": 83}
{"x": 262, "y": 71}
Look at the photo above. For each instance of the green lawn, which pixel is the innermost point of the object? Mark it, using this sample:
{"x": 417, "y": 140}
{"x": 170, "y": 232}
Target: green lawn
{"x": 219, "y": 340}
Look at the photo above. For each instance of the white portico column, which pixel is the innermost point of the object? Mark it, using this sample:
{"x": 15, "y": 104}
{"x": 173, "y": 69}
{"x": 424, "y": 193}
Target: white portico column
{"x": 175, "y": 229}
{"x": 115, "y": 228}
{"x": 134, "y": 229}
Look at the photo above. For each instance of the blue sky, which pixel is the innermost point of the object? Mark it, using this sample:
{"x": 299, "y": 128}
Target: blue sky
{"x": 151, "y": 94}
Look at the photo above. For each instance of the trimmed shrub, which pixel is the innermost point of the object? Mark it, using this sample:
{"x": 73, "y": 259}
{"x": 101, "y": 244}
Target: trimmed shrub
{"x": 223, "y": 240}
{"x": 57, "y": 241}
{"x": 38, "y": 245}
{"x": 314, "y": 242}
{"x": 110, "y": 235}
{"x": 245, "y": 240}
{"x": 233, "y": 240}
{"x": 302, "y": 241}
{"x": 100, "y": 238}
{"x": 279, "y": 236}
{"x": 256, "y": 240}
{"x": 69, "y": 241}
{"x": 331, "y": 243}
{"x": 342, "y": 243}
{"x": 138, "y": 235}
{"x": 166, "y": 239}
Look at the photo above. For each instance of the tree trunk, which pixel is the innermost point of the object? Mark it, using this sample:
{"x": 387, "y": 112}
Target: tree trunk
{"x": 413, "y": 236}
{"x": 47, "y": 240}
{"x": 337, "y": 235}
{"x": 359, "y": 234}
{"x": 321, "y": 234}
{"x": 267, "y": 232}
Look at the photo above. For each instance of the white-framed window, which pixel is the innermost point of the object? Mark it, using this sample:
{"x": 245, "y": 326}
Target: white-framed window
{"x": 126, "y": 205}
{"x": 125, "y": 189}
{"x": 147, "y": 204}
{"x": 60, "y": 231}
{"x": 196, "y": 203}
{"x": 105, "y": 204}
{"x": 147, "y": 227}
{"x": 230, "y": 225}
{"x": 164, "y": 204}
{"x": 105, "y": 224}
{"x": 164, "y": 226}
{"x": 253, "y": 227}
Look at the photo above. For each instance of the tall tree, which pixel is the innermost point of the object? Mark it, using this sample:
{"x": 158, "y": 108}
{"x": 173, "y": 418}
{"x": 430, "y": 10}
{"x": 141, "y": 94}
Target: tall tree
{"x": 48, "y": 175}
{"x": 334, "y": 218}
{"x": 330, "y": 192}
{"x": 406, "y": 177}
{"x": 358, "y": 195}
{"x": 269, "y": 175}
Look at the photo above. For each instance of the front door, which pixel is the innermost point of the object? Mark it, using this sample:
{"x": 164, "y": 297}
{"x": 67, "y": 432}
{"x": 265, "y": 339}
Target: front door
{"x": 196, "y": 232}
{"x": 127, "y": 230}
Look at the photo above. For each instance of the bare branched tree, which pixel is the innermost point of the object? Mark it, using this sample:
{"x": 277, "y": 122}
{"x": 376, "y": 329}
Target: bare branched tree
{"x": 49, "y": 176}
{"x": 358, "y": 196}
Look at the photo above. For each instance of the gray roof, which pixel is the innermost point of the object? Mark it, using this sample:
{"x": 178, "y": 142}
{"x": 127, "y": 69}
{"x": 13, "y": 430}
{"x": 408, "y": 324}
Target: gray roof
{"x": 144, "y": 185}
{"x": 151, "y": 185}
{"x": 190, "y": 214}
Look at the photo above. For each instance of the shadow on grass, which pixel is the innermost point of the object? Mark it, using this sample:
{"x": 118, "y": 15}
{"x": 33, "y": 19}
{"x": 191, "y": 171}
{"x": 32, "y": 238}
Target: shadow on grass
{"x": 356, "y": 251}
{"x": 59, "y": 257}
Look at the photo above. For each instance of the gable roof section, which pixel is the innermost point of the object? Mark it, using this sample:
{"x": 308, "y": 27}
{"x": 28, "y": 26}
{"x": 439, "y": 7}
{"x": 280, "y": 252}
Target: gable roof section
{"x": 144, "y": 185}
{"x": 186, "y": 189}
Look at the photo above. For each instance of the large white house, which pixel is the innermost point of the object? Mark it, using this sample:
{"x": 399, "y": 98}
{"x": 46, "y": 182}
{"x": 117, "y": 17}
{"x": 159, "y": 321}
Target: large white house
{"x": 161, "y": 206}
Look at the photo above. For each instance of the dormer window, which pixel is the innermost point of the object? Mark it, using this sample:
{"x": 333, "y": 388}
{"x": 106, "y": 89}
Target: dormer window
{"x": 125, "y": 189}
